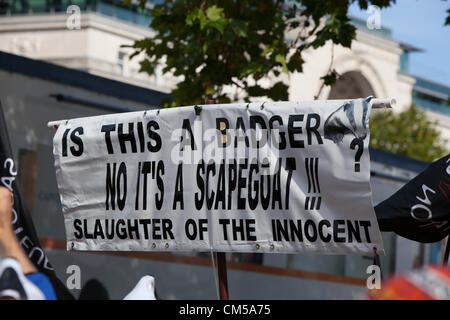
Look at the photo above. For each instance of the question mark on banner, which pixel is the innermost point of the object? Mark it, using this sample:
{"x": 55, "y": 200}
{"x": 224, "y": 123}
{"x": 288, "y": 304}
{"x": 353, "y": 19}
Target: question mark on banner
{"x": 360, "y": 144}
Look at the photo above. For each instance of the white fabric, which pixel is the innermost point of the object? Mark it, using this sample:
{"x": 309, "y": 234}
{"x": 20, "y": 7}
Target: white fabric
{"x": 322, "y": 203}
{"x": 144, "y": 290}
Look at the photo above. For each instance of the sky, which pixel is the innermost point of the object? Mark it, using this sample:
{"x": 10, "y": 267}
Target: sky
{"x": 419, "y": 23}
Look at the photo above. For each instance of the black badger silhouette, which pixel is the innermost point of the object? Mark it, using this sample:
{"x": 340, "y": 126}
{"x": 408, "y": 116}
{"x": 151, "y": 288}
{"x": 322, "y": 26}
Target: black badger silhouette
{"x": 352, "y": 117}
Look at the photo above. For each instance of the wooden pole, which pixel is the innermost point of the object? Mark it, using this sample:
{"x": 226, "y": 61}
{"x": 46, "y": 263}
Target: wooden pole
{"x": 223, "y": 279}
{"x": 221, "y": 263}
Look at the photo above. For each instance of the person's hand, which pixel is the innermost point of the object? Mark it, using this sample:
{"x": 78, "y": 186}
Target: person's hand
{"x": 5, "y": 209}
{"x": 9, "y": 246}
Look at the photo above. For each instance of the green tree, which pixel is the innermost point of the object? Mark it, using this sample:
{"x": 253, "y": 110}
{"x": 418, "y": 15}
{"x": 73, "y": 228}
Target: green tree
{"x": 216, "y": 43}
{"x": 408, "y": 133}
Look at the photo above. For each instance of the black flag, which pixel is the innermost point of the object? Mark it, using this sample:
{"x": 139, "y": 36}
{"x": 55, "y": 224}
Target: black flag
{"x": 420, "y": 210}
{"x": 22, "y": 222}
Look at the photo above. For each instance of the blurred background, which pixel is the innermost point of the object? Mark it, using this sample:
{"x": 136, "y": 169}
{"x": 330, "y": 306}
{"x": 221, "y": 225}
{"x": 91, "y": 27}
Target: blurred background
{"x": 65, "y": 59}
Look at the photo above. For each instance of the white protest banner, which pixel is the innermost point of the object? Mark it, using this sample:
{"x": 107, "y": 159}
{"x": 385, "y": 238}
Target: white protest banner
{"x": 280, "y": 177}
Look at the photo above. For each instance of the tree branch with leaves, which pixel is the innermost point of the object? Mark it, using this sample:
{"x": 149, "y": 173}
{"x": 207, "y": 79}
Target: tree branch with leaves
{"x": 408, "y": 133}
{"x": 212, "y": 44}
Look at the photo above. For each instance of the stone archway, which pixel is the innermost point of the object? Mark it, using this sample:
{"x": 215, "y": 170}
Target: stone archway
{"x": 351, "y": 85}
